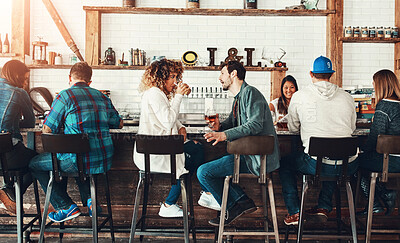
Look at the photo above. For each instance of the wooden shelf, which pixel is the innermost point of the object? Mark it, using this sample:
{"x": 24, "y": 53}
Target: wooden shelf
{"x": 8, "y": 54}
{"x": 196, "y": 68}
{"x": 369, "y": 40}
{"x": 210, "y": 12}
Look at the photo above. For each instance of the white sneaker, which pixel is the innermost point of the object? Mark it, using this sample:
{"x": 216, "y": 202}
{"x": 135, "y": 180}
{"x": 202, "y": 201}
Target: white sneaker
{"x": 173, "y": 211}
{"x": 208, "y": 201}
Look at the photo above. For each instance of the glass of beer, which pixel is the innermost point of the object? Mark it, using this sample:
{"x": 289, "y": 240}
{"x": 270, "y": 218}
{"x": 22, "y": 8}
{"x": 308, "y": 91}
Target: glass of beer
{"x": 210, "y": 116}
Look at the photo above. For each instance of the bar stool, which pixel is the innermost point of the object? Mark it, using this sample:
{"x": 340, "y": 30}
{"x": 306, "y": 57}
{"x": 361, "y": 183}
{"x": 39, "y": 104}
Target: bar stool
{"x": 161, "y": 145}
{"x": 16, "y": 176}
{"x": 334, "y": 149}
{"x": 77, "y": 144}
{"x": 251, "y": 145}
{"x": 386, "y": 144}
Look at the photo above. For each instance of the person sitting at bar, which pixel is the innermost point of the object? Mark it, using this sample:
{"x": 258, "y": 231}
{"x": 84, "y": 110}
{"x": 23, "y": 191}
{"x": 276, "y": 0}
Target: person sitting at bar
{"x": 279, "y": 106}
{"x": 249, "y": 117}
{"x": 310, "y": 112}
{"x": 14, "y": 102}
{"x": 162, "y": 93}
{"x": 77, "y": 110}
{"x": 386, "y": 121}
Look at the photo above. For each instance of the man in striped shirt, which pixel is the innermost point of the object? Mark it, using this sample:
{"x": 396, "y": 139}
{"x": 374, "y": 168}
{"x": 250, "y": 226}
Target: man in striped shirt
{"x": 78, "y": 109}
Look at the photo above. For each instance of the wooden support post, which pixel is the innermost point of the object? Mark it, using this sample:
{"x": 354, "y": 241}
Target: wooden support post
{"x": 397, "y": 45}
{"x": 93, "y": 37}
{"x": 20, "y": 19}
{"x": 334, "y": 47}
{"x": 276, "y": 79}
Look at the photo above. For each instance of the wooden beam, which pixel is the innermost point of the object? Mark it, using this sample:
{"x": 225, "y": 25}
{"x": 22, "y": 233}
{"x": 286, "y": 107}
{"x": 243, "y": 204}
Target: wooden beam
{"x": 397, "y": 45}
{"x": 20, "y": 38}
{"x": 334, "y": 47}
{"x": 276, "y": 79}
{"x": 210, "y": 12}
{"x": 93, "y": 37}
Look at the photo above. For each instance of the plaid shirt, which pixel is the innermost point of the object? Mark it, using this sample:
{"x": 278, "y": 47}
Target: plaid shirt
{"x": 81, "y": 109}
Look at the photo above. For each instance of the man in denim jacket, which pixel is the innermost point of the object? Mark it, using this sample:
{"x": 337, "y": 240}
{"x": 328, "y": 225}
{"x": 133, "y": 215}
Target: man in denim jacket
{"x": 250, "y": 116}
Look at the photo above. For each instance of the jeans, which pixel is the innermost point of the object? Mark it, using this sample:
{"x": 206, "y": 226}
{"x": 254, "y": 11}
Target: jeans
{"x": 40, "y": 166}
{"x": 212, "y": 175}
{"x": 302, "y": 162}
{"x": 18, "y": 158}
{"x": 373, "y": 161}
{"x": 194, "y": 157}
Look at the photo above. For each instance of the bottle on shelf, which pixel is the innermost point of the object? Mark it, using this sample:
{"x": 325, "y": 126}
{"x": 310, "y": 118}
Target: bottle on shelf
{"x": 1, "y": 45}
{"x": 6, "y": 45}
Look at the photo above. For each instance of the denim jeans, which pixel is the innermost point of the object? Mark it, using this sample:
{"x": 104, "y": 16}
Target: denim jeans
{"x": 40, "y": 166}
{"x": 194, "y": 157}
{"x": 302, "y": 162}
{"x": 212, "y": 175}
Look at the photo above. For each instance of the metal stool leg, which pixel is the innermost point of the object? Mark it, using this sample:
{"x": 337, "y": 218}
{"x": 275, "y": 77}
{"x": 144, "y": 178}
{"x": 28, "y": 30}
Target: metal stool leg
{"x": 351, "y": 211}
{"x": 61, "y": 235}
{"x": 136, "y": 207}
{"x": 46, "y": 207}
{"x": 370, "y": 207}
{"x": 94, "y": 208}
{"x": 265, "y": 209}
{"x": 223, "y": 209}
{"x": 185, "y": 210}
{"x": 144, "y": 206}
{"x": 109, "y": 211}
{"x": 192, "y": 225}
{"x": 19, "y": 204}
{"x": 273, "y": 209}
{"x": 301, "y": 218}
{"x": 338, "y": 211}
{"x": 36, "y": 191}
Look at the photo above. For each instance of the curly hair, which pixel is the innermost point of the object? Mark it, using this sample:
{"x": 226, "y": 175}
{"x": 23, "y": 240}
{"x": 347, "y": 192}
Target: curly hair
{"x": 158, "y": 72}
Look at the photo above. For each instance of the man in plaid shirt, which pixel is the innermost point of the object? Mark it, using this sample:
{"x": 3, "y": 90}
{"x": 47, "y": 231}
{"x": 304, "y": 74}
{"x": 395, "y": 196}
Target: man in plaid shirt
{"x": 79, "y": 109}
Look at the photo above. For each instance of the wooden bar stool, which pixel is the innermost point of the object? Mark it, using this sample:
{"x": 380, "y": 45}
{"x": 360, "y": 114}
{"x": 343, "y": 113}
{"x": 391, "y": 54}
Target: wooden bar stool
{"x": 251, "y": 145}
{"x": 161, "y": 145}
{"x": 334, "y": 149}
{"x": 77, "y": 144}
{"x": 16, "y": 176}
{"x": 386, "y": 145}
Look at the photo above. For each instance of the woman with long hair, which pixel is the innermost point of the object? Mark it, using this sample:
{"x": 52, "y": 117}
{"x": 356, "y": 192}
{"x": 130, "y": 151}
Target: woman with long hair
{"x": 15, "y": 104}
{"x": 386, "y": 121}
{"x": 279, "y": 106}
{"x": 162, "y": 93}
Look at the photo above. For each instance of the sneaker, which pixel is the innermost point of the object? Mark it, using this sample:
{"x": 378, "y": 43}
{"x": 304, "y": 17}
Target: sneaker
{"x": 173, "y": 211}
{"x": 8, "y": 202}
{"x": 320, "y": 212}
{"x": 292, "y": 219}
{"x": 65, "y": 214}
{"x": 89, "y": 205}
{"x": 208, "y": 201}
{"x": 240, "y": 208}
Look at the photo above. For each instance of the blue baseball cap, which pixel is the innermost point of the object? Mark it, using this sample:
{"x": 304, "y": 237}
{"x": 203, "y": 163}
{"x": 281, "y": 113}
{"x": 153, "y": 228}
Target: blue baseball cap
{"x": 322, "y": 65}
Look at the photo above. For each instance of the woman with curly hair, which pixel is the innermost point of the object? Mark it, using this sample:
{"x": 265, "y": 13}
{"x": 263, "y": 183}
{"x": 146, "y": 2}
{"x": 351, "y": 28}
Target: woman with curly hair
{"x": 162, "y": 93}
{"x": 15, "y": 104}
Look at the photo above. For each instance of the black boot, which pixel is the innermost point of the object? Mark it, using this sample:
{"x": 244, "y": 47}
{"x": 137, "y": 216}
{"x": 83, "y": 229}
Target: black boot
{"x": 377, "y": 206}
{"x": 388, "y": 197}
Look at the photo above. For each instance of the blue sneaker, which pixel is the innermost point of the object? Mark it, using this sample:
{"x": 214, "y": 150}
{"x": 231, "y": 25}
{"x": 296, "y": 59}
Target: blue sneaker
{"x": 89, "y": 205}
{"x": 65, "y": 214}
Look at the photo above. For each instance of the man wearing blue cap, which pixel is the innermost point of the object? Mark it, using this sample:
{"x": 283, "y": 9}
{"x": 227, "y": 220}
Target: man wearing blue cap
{"x": 319, "y": 110}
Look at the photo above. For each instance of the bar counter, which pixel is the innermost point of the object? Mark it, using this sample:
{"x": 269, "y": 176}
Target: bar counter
{"x": 124, "y": 176}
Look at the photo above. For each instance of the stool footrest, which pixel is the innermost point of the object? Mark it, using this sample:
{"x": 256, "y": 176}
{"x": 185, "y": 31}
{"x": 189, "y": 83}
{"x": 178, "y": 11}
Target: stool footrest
{"x": 248, "y": 233}
{"x": 327, "y": 237}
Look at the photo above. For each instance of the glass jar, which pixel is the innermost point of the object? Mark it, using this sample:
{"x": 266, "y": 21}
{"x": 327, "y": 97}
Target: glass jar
{"x": 251, "y": 4}
{"x": 372, "y": 32}
{"x": 192, "y": 4}
{"x": 395, "y": 32}
{"x": 128, "y": 3}
{"x": 380, "y": 32}
{"x": 364, "y": 31}
{"x": 356, "y": 31}
{"x": 348, "y": 31}
{"x": 388, "y": 32}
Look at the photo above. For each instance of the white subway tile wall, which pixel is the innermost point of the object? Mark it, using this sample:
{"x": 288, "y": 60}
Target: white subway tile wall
{"x": 303, "y": 38}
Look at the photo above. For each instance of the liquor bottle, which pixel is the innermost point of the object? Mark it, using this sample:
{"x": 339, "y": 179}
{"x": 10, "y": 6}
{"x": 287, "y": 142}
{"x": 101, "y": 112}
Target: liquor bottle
{"x": 1, "y": 45}
{"x": 6, "y": 45}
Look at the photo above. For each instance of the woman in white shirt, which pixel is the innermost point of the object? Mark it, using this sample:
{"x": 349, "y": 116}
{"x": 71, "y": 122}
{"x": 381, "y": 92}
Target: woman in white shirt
{"x": 279, "y": 106}
{"x": 162, "y": 93}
